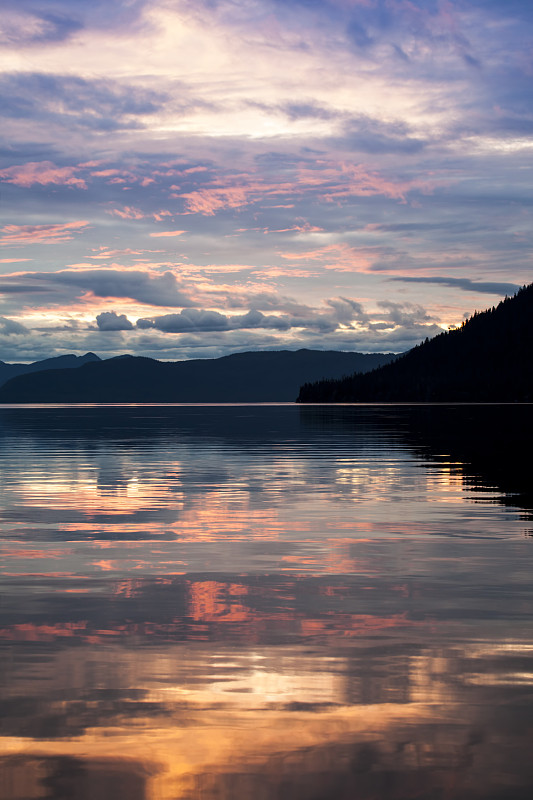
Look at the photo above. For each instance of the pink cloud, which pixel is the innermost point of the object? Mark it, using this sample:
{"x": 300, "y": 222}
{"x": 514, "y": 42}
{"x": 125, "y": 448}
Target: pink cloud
{"x": 128, "y": 212}
{"x": 41, "y": 172}
{"x": 159, "y": 215}
{"x": 167, "y": 233}
{"x": 105, "y": 253}
{"x": 131, "y": 212}
{"x": 208, "y": 201}
{"x": 340, "y": 257}
{"x": 105, "y": 173}
{"x": 283, "y": 272}
{"x": 41, "y": 234}
{"x": 306, "y": 227}
{"x": 329, "y": 181}
{"x": 13, "y": 260}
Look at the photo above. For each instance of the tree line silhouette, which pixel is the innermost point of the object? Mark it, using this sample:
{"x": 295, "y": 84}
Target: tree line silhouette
{"x": 487, "y": 359}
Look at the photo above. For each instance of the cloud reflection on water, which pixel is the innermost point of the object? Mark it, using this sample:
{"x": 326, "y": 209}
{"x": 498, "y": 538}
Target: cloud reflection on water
{"x": 332, "y": 606}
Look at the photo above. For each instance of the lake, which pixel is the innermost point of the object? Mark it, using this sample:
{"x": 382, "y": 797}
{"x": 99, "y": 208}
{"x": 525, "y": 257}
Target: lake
{"x": 267, "y": 602}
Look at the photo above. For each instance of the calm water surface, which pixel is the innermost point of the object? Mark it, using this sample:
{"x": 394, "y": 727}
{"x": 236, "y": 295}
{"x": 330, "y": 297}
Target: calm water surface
{"x": 234, "y": 602}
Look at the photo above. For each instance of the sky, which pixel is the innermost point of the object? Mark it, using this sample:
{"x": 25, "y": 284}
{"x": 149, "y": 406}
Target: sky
{"x": 192, "y": 178}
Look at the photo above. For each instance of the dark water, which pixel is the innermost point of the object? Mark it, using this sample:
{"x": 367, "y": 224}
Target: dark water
{"x": 269, "y": 602}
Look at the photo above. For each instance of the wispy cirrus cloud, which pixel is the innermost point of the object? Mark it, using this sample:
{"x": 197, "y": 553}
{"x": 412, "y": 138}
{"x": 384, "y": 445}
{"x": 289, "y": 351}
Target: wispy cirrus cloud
{"x": 41, "y": 234}
{"x": 466, "y": 284}
{"x": 324, "y": 180}
{"x": 339, "y": 256}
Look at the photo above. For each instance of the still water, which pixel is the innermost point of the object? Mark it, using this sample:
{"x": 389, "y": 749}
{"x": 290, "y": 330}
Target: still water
{"x": 266, "y": 602}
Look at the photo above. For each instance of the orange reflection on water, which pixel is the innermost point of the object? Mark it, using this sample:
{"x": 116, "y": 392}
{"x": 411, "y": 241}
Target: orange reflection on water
{"x": 90, "y": 498}
{"x": 29, "y": 632}
{"x": 208, "y": 600}
{"x": 158, "y": 762}
{"x": 355, "y": 625}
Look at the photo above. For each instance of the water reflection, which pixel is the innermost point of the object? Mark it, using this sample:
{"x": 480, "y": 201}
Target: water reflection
{"x": 271, "y": 602}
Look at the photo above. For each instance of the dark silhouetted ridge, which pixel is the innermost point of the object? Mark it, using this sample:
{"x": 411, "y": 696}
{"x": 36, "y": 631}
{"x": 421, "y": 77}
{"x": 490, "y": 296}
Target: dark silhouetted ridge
{"x": 487, "y": 359}
{"x": 8, "y": 371}
{"x": 243, "y": 377}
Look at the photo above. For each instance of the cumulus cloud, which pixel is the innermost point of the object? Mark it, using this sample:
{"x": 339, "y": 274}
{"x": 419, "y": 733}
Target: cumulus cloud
{"x": 111, "y": 321}
{"x": 402, "y": 314}
{"x": 346, "y": 310}
{"x": 339, "y": 311}
{"x": 195, "y": 320}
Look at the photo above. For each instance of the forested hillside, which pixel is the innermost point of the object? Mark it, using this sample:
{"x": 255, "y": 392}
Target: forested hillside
{"x": 488, "y": 359}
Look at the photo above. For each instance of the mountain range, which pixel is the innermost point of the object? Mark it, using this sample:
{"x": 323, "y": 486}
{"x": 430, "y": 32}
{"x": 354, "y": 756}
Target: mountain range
{"x": 487, "y": 360}
{"x": 8, "y": 371}
{"x": 273, "y": 376}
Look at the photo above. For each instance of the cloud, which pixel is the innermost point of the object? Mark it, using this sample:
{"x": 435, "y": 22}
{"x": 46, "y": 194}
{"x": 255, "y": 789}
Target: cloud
{"x": 41, "y": 234}
{"x": 338, "y": 311}
{"x": 9, "y": 326}
{"x": 321, "y": 180}
{"x": 134, "y": 213}
{"x": 41, "y": 26}
{"x": 347, "y": 310}
{"x": 162, "y": 234}
{"x": 157, "y": 290}
{"x": 128, "y": 212}
{"x": 367, "y": 119}
{"x": 339, "y": 257}
{"x": 467, "y": 285}
{"x": 111, "y": 321}
{"x": 375, "y": 136}
{"x": 298, "y": 110}
{"x": 21, "y": 288}
{"x": 196, "y": 320}
{"x": 403, "y": 315}
{"x": 71, "y": 101}
{"x": 41, "y": 172}
{"x": 144, "y": 287}
{"x": 358, "y": 34}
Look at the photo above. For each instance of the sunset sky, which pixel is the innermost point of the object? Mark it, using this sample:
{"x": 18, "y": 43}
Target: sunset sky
{"x": 191, "y": 178}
